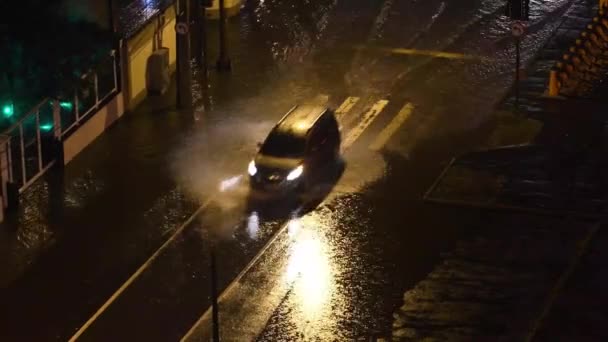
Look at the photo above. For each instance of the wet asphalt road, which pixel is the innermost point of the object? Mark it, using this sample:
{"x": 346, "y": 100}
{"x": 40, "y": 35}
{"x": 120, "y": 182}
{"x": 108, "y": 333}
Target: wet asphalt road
{"x": 372, "y": 237}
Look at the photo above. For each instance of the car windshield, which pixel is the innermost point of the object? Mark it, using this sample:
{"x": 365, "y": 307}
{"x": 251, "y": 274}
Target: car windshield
{"x": 283, "y": 145}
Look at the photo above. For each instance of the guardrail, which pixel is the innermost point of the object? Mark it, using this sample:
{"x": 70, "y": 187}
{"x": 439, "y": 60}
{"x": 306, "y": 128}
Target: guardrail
{"x": 583, "y": 66}
{"x": 33, "y": 144}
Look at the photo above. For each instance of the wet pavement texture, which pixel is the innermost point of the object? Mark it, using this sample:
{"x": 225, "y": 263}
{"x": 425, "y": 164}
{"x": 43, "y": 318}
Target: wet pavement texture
{"x": 371, "y": 239}
{"x": 579, "y": 310}
{"x": 493, "y": 285}
{"x": 529, "y": 178}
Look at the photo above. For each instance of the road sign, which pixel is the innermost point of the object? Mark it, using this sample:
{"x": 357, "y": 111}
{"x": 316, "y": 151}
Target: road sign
{"x": 518, "y": 28}
{"x": 181, "y": 28}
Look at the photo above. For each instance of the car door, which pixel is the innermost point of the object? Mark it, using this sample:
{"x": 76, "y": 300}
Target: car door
{"x": 322, "y": 142}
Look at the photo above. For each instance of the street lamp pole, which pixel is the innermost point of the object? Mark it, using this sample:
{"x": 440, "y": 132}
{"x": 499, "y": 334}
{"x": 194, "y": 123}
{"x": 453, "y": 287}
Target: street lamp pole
{"x": 223, "y": 62}
{"x": 182, "y": 41}
{"x": 214, "y": 304}
{"x": 517, "y": 29}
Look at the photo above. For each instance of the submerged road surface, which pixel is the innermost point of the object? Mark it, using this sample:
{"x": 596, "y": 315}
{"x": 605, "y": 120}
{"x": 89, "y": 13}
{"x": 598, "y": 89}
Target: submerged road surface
{"x": 413, "y": 83}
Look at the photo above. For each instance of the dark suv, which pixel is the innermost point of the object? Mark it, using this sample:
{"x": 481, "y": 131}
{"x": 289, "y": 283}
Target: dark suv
{"x": 297, "y": 150}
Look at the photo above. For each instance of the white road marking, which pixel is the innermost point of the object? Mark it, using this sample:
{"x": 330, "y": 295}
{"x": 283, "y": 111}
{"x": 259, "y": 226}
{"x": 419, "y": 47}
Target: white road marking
{"x": 137, "y": 273}
{"x": 367, "y": 119}
{"x": 392, "y": 127}
{"x": 346, "y": 106}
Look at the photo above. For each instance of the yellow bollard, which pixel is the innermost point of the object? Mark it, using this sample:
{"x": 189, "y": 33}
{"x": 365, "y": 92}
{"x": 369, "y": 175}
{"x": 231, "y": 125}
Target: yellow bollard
{"x": 553, "y": 83}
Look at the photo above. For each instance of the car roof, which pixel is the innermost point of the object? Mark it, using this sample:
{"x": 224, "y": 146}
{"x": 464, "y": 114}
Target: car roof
{"x": 300, "y": 119}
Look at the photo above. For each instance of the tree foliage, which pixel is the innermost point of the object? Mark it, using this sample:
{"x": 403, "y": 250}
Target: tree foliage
{"x": 44, "y": 52}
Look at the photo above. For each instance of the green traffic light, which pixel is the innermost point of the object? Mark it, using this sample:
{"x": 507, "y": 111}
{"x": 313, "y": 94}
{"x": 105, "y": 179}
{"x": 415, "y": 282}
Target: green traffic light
{"x": 46, "y": 127}
{"x": 8, "y": 110}
{"x": 65, "y": 105}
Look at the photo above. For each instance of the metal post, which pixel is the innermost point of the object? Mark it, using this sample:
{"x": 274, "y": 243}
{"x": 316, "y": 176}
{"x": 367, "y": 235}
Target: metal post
{"x": 57, "y": 129}
{"x": 112, "y": 16}
{"x": 11, "y": 178}
{"x": 214, "y": 305}
{"x": 202, "y": 63}
{"x": 184, "y": 74}
{"x": 38, "y": 139}
{"x": 95, "y": 80}
{"x": 23, "y": 180}
{"x": 204, "y": 34}
{"x": 223, "y": 62}
{"x": 113, "y": 54}
{"x": 197, "y": 37}
{"x": 517, "y": 43}
{"x": 76, "y": 105}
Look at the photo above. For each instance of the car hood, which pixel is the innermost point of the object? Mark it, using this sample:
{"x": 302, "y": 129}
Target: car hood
{"x": 268, "y": 162}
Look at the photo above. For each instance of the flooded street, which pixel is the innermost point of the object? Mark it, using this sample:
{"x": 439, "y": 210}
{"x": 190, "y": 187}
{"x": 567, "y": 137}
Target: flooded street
{"x": 334, "y": 265}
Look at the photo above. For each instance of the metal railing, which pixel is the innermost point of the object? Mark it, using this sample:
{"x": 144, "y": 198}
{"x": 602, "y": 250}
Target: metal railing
{"x": 97, "y": 86}
{"x": 31, "y": 145}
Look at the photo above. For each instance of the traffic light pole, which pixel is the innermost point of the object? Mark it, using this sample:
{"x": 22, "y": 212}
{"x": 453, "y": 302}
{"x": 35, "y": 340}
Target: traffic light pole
{"x": 182, "y": 41}
{"x": 223, "y": 62}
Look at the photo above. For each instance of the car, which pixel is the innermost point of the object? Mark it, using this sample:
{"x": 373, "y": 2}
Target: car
{"x": 297, "y": 151}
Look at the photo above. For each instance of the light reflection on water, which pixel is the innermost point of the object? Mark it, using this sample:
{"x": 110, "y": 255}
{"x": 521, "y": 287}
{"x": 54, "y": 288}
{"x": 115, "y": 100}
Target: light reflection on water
{"x": 310, "y": 275}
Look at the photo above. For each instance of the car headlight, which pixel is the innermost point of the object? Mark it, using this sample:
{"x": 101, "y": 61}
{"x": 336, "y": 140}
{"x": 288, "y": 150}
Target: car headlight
{"x": 252, "y": 169}
{"x": 295, "y": 173}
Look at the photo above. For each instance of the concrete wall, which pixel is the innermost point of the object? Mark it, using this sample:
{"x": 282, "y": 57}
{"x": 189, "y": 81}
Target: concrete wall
{"x": 93, "y": 128}
{"x": 160, "y": 32}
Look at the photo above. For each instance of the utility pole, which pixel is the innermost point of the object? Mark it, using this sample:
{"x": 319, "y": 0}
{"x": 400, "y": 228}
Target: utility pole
{"x": 517, "y": 29}
{"x": 223, "y": 62}
{"x": 197, "y": 37}
{"x": 214, "y": 305}
{"x": 112, "y": 16}
{"x": 182, "y": 41}
{"x": 518, "y": 11}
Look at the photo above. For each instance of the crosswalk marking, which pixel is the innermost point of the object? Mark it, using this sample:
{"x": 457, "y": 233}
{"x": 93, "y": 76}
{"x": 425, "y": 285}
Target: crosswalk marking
{"x": 346, "y": 106}
{"x": 368, "y": 118}
{"x": 392, "y": 127}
